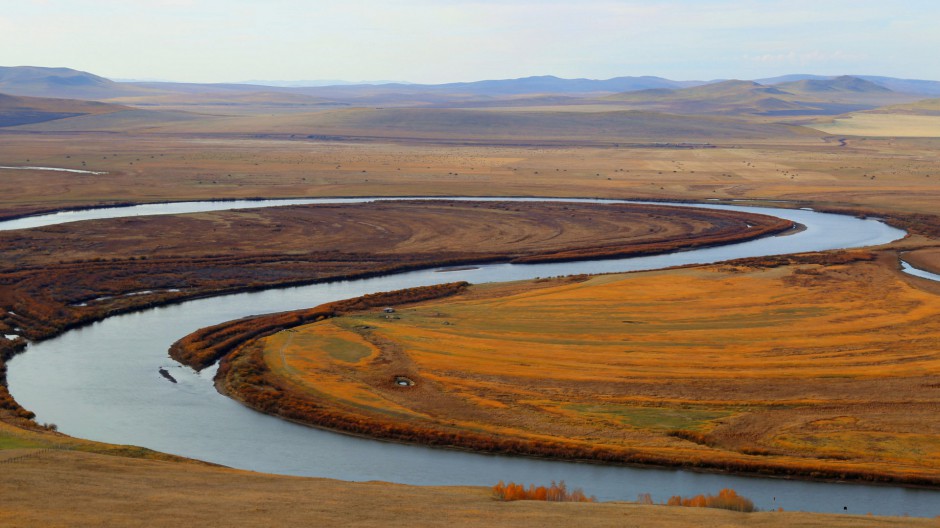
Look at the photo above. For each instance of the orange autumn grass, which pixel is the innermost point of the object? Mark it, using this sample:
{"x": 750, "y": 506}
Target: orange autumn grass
{"x": 819, "y": 366}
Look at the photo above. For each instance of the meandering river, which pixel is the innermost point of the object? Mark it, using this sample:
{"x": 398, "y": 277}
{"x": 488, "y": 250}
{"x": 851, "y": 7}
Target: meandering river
{"x": 102, "y": 382}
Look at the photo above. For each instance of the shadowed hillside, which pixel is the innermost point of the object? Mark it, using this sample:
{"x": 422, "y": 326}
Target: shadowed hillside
{"x": 844, "y": 83}
{"x": 62, "y": 83}
{"x": 24, "y": 110}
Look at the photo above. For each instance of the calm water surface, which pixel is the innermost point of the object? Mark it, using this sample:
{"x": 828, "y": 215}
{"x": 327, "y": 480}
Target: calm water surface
{"x": 924, "y": 274}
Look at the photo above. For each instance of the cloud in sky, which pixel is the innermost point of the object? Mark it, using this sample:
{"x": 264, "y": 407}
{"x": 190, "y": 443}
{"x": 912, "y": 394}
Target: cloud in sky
{"x": 457, "y": 40}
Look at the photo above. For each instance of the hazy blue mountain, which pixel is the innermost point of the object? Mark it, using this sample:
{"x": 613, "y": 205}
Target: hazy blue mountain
{"x": 845, "y": 83}
{"x": 911, "y": 86}
{"x": 914, "y": 86}
{"x": 61, "y": 83}
{"x": 793, "y": 77}
{"x": 74, "y": 84}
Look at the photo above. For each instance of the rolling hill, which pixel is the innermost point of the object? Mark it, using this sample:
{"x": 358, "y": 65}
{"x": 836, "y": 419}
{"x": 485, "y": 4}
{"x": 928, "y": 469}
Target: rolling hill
{"x": 735, "y": 97}
{"x": 843, "y": 84}
{"x": 432, "y": 124}
{"x": 64, "y": 83}
{"x": 909, "y": 86}
{"x": 723, "y": 98}
{"x": 925, "y": 107}
{"x": 16, "y": 110}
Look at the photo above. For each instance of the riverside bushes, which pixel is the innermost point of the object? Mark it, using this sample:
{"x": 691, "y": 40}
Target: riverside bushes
{"x": 555, "y": 493}
{"x": 727, "y": 499}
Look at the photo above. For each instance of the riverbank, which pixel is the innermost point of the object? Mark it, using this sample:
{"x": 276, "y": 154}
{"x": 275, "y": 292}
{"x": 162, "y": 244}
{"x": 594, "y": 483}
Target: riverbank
{"x": 61, "y": 488}
{"x": 925, "y": 259}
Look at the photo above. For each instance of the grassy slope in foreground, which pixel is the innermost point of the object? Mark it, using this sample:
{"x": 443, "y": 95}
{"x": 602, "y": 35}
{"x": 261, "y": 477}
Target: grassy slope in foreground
{"x": 819, "y": 367}
{"x": 72, "y": 489}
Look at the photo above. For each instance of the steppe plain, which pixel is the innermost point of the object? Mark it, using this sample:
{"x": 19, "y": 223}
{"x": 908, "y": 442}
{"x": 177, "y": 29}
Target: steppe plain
{"x": 855, "y": 390}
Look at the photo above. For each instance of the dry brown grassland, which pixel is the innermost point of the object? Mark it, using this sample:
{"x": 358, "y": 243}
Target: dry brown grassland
{"x": 879, "y": 175}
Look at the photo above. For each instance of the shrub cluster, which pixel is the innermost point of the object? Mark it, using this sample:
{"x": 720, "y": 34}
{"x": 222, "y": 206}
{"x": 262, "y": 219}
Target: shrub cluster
{"x": 555, "y": 493}
{"x": 727, "y": 499}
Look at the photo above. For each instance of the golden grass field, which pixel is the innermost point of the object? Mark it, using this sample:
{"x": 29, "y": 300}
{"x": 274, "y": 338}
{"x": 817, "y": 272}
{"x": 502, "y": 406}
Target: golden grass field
{"x": 801, "y": 367}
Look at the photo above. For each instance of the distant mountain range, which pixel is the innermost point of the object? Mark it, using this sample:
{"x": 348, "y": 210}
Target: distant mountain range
{"x": 34, "y": 98}
{"x": 74, "y": 84}
{"x": 69, "y": 83}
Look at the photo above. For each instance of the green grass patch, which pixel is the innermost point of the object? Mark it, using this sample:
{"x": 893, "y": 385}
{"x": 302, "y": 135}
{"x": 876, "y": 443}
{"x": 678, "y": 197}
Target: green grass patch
{"x": 344, "y": 350}
{"x": 663, "y": 418}
{"x": 9, "y": 441}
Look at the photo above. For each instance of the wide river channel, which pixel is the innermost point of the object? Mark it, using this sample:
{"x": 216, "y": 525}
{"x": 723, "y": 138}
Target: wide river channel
{"x": 101, "y": 382}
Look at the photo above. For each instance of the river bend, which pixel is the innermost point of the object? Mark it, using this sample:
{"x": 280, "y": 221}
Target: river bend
{"x": 101, "y": 382}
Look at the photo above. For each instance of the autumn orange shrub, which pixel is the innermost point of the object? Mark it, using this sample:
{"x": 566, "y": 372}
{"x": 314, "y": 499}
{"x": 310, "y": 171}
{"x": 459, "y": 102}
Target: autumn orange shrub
{"x": 727, "y": 499}
{"x": 554, "y": 493}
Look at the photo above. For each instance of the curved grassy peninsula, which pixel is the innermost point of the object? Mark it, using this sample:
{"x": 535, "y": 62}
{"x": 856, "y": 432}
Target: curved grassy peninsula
{"x": 787, "y": 366}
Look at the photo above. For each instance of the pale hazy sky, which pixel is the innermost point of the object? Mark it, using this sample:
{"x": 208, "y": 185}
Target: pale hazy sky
{"x": 462, "y": 40}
